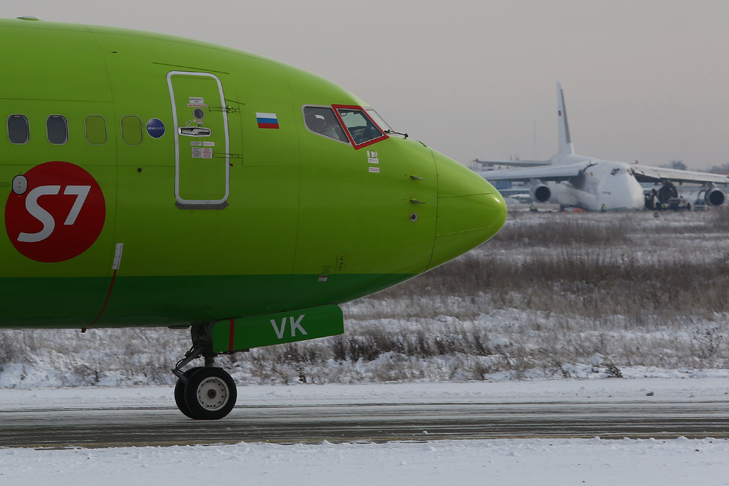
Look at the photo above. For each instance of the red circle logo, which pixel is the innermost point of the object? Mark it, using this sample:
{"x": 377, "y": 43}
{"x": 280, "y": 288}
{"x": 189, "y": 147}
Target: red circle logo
{"x": 55, "y": 212}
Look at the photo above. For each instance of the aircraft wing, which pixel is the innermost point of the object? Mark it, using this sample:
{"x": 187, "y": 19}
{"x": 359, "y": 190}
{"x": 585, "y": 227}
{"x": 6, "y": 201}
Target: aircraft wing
{"x": 646, "y": 173}
{"x": 549, "y": 173}
{"x": 517, "y": 163}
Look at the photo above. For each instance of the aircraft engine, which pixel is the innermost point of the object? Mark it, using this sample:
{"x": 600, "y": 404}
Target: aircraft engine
{"x": 714, "y": 197}
{"x": 540, "y": 193}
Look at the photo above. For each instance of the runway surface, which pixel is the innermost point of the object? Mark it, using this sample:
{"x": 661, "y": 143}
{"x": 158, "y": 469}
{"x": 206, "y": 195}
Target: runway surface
{"x": 165, "y": 426}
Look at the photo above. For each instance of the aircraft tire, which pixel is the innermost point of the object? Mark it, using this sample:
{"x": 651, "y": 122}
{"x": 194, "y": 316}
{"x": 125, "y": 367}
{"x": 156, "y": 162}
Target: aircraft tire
{"x": 210, "y": 394}
{"x": 180, "y": 393}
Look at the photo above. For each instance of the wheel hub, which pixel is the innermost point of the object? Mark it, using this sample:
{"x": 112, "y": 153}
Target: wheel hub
{"x": 212, "y": 393}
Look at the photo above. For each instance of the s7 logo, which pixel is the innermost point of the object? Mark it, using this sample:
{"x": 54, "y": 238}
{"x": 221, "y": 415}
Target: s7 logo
{"x": 49, "y": 224}
{"x": 47, "y": 195}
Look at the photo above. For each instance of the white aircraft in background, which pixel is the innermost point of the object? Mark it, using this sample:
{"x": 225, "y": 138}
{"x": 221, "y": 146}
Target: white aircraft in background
{"x": 594, "y": 184}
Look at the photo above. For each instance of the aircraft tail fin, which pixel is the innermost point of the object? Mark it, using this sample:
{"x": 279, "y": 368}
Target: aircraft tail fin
{"x": 565, "y": 142}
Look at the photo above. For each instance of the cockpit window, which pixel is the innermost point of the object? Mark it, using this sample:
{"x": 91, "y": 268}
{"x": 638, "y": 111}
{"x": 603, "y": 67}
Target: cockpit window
{"x": 378, "y": 119}
{"x": 322, "y": 121}
{"x": 359, "y": 125}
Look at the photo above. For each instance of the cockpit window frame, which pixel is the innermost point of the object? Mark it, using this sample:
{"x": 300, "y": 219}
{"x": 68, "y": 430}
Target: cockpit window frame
{"x": 328, "y": 107}
{"x": 356, "y": 146}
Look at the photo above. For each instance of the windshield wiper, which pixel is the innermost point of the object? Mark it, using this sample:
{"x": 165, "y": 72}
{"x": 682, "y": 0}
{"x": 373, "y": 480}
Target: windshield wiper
{"x": 391, "y": 131}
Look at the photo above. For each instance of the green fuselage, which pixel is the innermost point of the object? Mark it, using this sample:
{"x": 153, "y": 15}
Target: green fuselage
{"x": 244, "y": 219}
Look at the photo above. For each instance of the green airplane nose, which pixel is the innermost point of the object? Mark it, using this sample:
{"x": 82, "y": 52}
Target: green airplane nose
{"x": 470, "y": 210}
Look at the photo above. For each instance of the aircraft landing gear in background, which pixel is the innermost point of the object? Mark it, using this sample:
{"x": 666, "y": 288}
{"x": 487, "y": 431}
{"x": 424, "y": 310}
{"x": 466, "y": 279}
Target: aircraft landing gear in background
{"x": 666, "y": 192}
{"x": 203, "y": 393}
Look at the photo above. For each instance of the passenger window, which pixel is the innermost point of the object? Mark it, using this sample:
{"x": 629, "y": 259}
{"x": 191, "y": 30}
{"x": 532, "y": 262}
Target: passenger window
{"x": 131, "y": 130}
{"x": 18, "y": 129}
{"x": 57, "y": 128}
{"x": 322, "y": 121}
{"x": 359, "y": 125}
{"x": 95, "y": 130}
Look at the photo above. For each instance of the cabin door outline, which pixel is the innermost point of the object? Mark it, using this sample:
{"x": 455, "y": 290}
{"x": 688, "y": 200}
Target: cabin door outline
{"x": 210, "y": 164}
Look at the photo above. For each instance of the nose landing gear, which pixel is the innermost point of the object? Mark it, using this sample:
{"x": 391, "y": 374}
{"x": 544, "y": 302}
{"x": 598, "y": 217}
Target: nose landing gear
{"x": 209, "y": 394}
{"x": 203, "y": 393}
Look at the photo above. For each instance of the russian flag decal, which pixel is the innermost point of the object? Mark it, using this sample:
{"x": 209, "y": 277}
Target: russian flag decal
{"x": 267, "y": 120}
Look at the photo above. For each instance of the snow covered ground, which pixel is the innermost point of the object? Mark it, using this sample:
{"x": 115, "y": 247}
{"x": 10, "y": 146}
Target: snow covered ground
{"x": 503, "y": 462}
{"x": 666, "y": 386}
{"x": 522, "y": 461}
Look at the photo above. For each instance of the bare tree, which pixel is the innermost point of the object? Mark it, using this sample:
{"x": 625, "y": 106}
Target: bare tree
{"x": 723, "y": 168}
{"x": 676, "y": 164}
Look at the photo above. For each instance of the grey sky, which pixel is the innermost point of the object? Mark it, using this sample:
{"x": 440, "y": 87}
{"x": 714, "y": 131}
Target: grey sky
{"x": 644, "y": 80}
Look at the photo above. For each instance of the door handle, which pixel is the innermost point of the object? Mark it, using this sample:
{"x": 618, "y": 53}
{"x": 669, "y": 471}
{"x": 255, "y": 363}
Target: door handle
{"x": 415, "y": 201}
{"x": 195, "y": 131}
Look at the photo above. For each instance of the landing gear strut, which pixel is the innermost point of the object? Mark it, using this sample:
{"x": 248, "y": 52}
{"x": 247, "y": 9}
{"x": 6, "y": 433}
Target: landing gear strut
{"x": 208, "y": 392}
